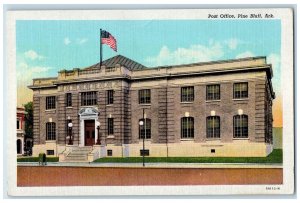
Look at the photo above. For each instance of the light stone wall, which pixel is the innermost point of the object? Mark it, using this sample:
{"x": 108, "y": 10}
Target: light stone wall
{"x": 42, "y": 148}
{"x": 238, "y": 148}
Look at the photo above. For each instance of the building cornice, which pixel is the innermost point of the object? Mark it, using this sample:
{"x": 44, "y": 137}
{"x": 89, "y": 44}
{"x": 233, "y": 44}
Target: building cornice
{"x": 208, "y": 63}
{"x": 61, "y": 82}
{"x": 267, "y": 68}
{"x": 195, "y": 73}
{"x": 121, "y": 73}
{"x": 41, "y": 86}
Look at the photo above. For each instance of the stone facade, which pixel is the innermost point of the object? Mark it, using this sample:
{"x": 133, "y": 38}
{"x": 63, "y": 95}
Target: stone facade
{"x": 165, "y": 109}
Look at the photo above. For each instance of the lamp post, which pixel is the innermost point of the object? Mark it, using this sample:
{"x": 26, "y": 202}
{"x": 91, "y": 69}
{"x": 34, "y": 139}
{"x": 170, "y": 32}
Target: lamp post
{"x": 70, "y": 125}
{"x": 98, "y": 129}
{"x": 143, "y": 123}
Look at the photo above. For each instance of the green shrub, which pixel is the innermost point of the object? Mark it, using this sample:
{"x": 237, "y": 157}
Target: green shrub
{"x": 36, "y": 159}
{"x": 274, "y": 157}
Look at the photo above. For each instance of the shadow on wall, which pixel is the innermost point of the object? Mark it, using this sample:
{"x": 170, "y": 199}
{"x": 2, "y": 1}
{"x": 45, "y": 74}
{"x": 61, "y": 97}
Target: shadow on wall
{"x": 277, "y": 138}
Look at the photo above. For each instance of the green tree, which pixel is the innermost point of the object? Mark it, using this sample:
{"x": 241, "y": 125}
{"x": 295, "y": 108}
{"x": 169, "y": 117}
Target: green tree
{"x": 29, "y": 120}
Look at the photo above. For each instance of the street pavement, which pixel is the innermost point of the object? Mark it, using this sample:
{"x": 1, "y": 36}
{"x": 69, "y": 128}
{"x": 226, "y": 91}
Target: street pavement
{"x": 155, "y": 165}
{"x": 156, "y": 174}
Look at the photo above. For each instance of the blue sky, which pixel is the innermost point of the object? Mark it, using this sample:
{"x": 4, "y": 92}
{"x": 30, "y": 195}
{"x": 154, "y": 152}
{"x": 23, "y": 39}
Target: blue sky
{"x": 45, "y": 47}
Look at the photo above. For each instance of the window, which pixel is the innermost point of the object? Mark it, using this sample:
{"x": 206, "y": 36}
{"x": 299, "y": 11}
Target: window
{"x": 18, "y": 124}
{"x": 144, "y": 96}
{"x": 50, "y": 131}
{"x": 50, "y": 152}
{"x": 144, "y": 152}
{"x": 110, "y": 126}
{"x": 240, "y": 126}
{"x": 88, "y": 98}
{"x": 187, "y": 94}
{"x": 50, "y": 102}
{"x": 69, "y": 99}
{"x": 19, "y": 146}
{"x": 142, "y": 129}
{"x": 110, "y": 96}
{"x": 109, "y": 152}
{"x": 213, "y": 92}
{"x": 240, "y": 90}
{"x": 187, "y": 127}
{"x": 213, "y": 127}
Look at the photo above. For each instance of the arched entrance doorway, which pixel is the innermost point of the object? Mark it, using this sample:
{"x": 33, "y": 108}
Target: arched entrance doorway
{"x": 88, "y": 129}
{"x": 19, "y": 146}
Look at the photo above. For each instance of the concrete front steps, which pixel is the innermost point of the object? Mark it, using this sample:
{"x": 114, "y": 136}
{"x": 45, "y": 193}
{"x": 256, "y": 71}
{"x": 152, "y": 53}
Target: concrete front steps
{"x": 78, "y": 154}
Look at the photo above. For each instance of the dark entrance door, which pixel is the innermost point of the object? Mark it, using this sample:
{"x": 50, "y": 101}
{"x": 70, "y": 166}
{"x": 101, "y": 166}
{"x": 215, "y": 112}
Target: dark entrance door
{"x": 19, "y": 146}
{"x": 89, "y": 132}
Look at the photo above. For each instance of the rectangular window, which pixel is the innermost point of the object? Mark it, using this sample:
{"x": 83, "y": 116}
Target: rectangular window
{"x": 142, "y": 130}
{"x": 187, "y": 94}
{"x": 144, "y": 152}
{"x": 213, "y": 127}
{"x": 213, "y": 92}
{"x": 187, "y": 127}
{"x": 110, "y": 126}
{"x": 145, "y": 96}
{"x": 50, "y": 152}
{"x": 50, "y": 131}
{"x": 88, "y": 98}
{"x": 109, "y": 152}
{"x": 240, "y": 126}
{"x": 240, "y": 90}
{"x": 110, "y": 96}
{"x": 50, "y": 102}
{"x": 69, "y": 99}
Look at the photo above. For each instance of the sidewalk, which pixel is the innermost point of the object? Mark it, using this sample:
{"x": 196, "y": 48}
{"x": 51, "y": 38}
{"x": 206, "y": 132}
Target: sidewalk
{"x": 154, "y": 165}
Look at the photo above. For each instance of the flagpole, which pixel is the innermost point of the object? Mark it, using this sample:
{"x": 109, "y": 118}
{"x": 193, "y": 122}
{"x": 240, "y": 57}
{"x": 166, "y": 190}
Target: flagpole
{"x": 100, "y": 48}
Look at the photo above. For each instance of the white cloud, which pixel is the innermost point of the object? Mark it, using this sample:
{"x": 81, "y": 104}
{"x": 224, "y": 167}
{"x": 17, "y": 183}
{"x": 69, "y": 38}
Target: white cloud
{"x": 195, "y": 53}
{"x": 78, "y": 41}
{"x": 32, "y": 55}
{"x": 26, "y": 72}
{"x": 275, "y": 60}
{"x": 67, "y": 41}
{"x": 192, "y": 54}
{"x": 81, "y": 40}
{"x": 40, "y": 69}
{"x": 245, "y": 54}
{"x": 232, "y": 43}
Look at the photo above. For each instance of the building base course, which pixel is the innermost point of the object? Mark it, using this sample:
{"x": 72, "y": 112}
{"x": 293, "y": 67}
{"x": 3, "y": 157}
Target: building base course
{"x": 237, "y": 148}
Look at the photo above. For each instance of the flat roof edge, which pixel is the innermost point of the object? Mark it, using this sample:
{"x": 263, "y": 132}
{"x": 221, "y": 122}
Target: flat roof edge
{"x": 207, "y": 63}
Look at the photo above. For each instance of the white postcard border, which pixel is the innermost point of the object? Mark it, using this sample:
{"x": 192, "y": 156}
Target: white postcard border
{"x": 286, "y": 17}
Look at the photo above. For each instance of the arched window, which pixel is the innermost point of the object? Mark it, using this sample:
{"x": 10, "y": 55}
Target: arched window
{"x": 213, "y": 127}
{"x": 240, "y": 126}
{"x": 50, "y": 131}
{"x": 19, "y": 146}
{"x": 187, "y": 127}
{"x": 143, "y": 131}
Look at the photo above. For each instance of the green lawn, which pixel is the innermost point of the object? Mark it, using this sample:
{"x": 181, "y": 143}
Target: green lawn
{"x": 274, "y": 157}
{"x": 36, "y": 159}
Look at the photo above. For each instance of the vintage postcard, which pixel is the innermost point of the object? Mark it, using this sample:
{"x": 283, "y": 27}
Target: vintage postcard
{"x": 150, "y": 102}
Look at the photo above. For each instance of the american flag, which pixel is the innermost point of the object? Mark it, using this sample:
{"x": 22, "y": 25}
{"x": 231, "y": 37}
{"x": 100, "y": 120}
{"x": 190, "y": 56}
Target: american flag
{"x": 108, "y": 39}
